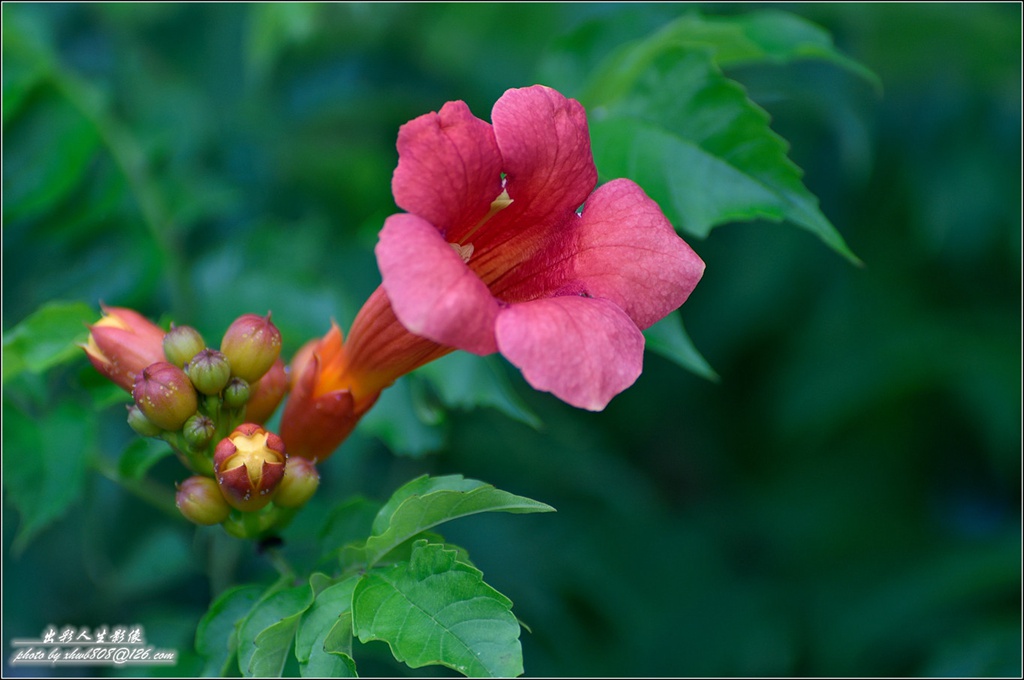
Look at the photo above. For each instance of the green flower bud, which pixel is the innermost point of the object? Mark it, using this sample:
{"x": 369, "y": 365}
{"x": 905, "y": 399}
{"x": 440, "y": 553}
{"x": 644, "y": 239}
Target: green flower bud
{"x": 198, "y": 431}
{"x": 249, "y": 464}
{"x": 209, "y": 371}
{"x": 181, "y": 344}
{"x": 200, "y": 501}
{"x": 142, "y": 425}
{"x": 252, "y": 344}
{"x": 236, "y": 394}
{"x": 165, "y": 395}
{"x": 299, "y": 484}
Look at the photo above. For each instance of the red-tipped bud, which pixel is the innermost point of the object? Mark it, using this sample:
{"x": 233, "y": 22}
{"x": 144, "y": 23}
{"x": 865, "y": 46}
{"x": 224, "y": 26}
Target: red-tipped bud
{"x": 249, "y": 464}
{"x": 123, "y": 343}
{"x": 209, "y": 371}
{"x": 299, "y": 484}
{"x": 267, "y": 394}
{"x": 181, "y": 344}
{"x": 252, "y": 344}
{"x": 237, "y": 393}
{"x": 165, "y": 395}
{"x": 200, "y": 501}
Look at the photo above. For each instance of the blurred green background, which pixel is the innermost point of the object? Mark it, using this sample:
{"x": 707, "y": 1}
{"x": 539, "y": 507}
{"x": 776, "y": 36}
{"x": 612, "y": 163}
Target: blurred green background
{"x": 844, "y": 500}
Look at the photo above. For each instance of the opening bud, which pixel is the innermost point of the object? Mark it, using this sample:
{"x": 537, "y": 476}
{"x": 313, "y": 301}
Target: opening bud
{"x": 198, "y": 431}
{"x": 123, "y": 343}
{"x": 209, "y": 371}
{"x": 142, "y": 425}
{"x": 252, "y": 344}
{"x": 181, "y": 344}
{"x": 249, "y": 464}
{"x": 237, "y": 393}
{"x": 201, "y": 502}
{"x": 300, "y": 482}
{"x": 165, "y": 395}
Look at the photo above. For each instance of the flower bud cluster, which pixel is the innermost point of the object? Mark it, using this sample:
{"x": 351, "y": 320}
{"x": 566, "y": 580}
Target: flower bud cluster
{"x": 209, "y": 404}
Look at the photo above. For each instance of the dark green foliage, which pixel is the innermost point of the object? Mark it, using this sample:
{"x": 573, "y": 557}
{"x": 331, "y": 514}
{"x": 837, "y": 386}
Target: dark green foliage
{"x": 840, "y": 498}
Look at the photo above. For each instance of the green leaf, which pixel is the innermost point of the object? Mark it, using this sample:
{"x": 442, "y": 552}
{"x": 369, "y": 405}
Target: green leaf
{"x": 420, "y": 486}
{"x": 44, "y": 463}
{"x": 669, "y": 339}
{"x": 216, "y": 640}
{"x": 271, "y": 648}
{"x": 403, "y": 551}
{"x": 27, "y": 60}
{"x": 46, "y": 338}
{"x": 773, "y": 36}
{"x": 323, "y": 642}
{"x": 51, "y": 145}
{"x": 21, "y": 77}
{"x": 140, "y": 456}
{"x": 434, "y": 610}
{"x": 765, "y": 37}
{"x": 682, "y": 110}
{"x": 266, "y": 634}
{"x": 426, "y": 502}
{"x": 663, "y": 114}
{"x": 697, "y": 190}
{"x": 466, "y": 381}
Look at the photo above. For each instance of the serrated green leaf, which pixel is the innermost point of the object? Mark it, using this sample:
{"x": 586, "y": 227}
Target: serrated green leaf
{"x": 780, "y": 37}
{"x": 765, "y": 37}
{"x": 44, "y": 463}
{"x": 271, "y": 648}
{"x": 663, "y": 114}
{"x": 420, "y": 486}
{"x": 466, "y": 381}
{"x": 46, "y": 338}
{"x": 429, "y": 501}
{"x": 140, "y": 456}
{"x": 668, "y": 338}
{"x": 266, "y": 634}
{"x": 323, "y": 642}
{"x": 403, "y": 551}
{"x": 216, "y": 639}
{"x": 700, "y": 147}
{"x": 696, "y": 190}
{"x": 332, "y": 653}
{"x": 434, "y": 610}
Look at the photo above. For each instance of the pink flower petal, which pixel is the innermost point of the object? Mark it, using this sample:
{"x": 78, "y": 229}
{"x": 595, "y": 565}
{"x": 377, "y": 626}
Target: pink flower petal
{"x": 449, "y": 169}
{"x": 545, "y": 147}
{"x": 432, "y": 291}
{"x": 628, "y": 252}
{"x": 583, "y": 350}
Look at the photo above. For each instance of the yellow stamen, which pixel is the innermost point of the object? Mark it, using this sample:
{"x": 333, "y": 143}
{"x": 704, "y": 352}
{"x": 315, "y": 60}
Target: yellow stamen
{"x": 500, "y": 203}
